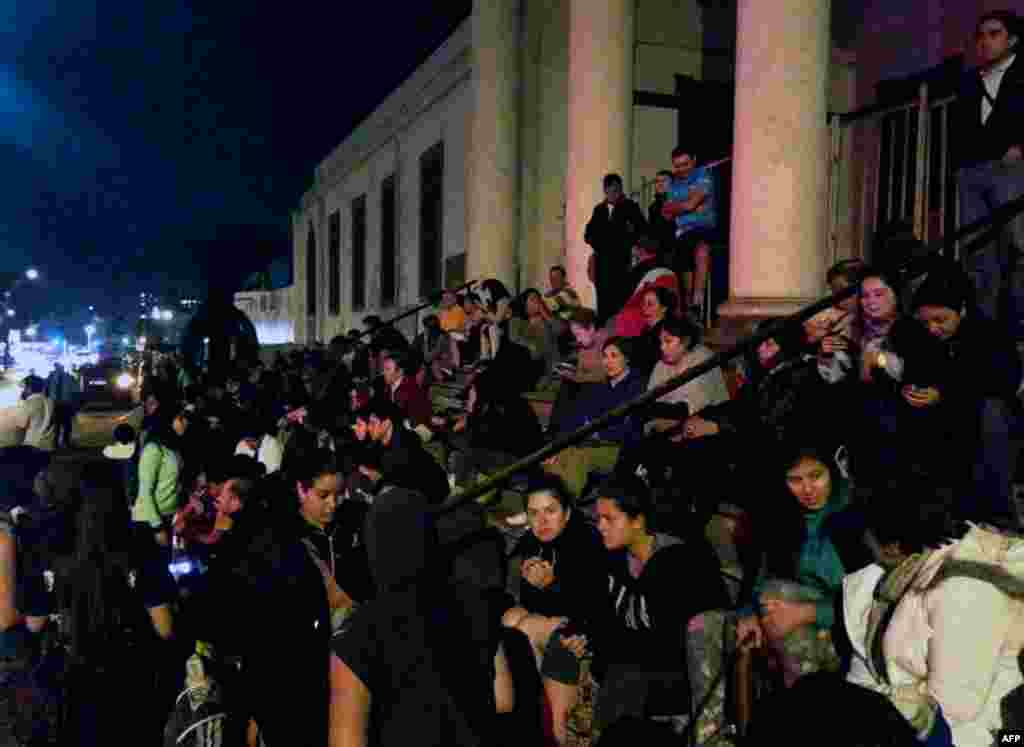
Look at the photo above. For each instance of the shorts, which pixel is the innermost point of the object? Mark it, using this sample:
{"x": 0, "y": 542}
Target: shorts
{"x": 685, "y": 247}
{"x": 154, "y": 583}
{"x": 559, "y": 663}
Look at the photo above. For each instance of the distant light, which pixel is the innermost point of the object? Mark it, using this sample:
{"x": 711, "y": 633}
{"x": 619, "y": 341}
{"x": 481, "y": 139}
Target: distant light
{"x": 126, "y": 341}
{"x": 10, "y": 312}
{"x": 167, "y": 315}
{"x": 142, "y": 340}
{"x": 156, "y": 314}
{"x": 32, "y": 273}
{"x": 92, "y": 308}
{"x": 32, "y": 330}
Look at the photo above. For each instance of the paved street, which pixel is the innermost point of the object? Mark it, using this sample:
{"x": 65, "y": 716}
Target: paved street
{"x": 94, "y": 425}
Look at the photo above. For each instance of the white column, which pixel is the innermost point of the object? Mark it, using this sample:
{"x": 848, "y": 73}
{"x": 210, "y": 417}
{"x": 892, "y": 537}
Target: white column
{"x": 778, "y": 243}
{"x": 601, "y": 44}
{"x": 492, "y": 163}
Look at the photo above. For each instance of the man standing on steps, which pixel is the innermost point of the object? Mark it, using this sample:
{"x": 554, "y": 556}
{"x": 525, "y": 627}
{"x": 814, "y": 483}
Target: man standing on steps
{"x": 693, "y": 207}
{"x": 613, "y": 228}
{"x": 989, "y": 145}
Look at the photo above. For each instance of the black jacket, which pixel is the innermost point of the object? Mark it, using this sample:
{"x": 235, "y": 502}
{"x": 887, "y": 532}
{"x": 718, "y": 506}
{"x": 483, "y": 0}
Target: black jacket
{"x": 660, "y": 227}
{"x": 976, "y": 142}
{"x": 341, "y": 548}
{"x": 406, "y": 464}
{"x": 650, "y": 613}
{"x": 579, "y": 591}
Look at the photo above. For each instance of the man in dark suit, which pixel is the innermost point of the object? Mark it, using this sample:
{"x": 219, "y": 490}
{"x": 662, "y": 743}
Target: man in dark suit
{"x": 611, "y": 233}
{"x": 989, "y": 144}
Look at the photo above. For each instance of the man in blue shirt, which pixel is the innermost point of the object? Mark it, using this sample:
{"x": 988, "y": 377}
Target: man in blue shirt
{"x": 693, "y": 207}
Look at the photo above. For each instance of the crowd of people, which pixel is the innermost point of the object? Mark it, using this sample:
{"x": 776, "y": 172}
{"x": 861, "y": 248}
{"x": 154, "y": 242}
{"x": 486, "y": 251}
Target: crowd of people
{"x": 286, "y": 551}
{"x": 275, "y": 530}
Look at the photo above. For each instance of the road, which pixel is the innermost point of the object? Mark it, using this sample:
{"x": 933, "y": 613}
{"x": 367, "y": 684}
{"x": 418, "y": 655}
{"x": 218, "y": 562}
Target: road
{"x": 94, "y": 425}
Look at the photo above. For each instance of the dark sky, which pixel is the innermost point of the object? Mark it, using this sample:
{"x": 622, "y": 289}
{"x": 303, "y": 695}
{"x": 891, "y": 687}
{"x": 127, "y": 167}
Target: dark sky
{"x": 132, "y": 134}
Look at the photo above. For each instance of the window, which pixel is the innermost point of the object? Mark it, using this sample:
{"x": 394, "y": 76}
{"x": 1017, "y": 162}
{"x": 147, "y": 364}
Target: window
{"x": 334, "y": 263}
{"x": 387, "y": 241}
{"x": 311, "y": 278}
{"x": 359, "y": 252}
{"x": 431, "y": 218}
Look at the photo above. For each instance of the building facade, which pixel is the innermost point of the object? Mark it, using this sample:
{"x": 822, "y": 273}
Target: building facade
{"x": 488, "y": 159}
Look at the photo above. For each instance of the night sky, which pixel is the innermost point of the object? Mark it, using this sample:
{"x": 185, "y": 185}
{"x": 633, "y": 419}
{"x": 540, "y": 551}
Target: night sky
{"x": 135, "y": 136}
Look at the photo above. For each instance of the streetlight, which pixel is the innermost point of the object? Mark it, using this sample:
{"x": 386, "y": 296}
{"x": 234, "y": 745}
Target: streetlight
{"x": 32, "y": 273}
{"x": 10, "y": 312}
{"x": 90, "y": 330}
{"x": 167, "y": 315}
{"x": 32, "y": 330}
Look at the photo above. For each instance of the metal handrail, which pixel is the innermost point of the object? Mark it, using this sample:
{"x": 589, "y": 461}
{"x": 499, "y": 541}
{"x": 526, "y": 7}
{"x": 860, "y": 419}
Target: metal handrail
{"x": 992, "y": 223}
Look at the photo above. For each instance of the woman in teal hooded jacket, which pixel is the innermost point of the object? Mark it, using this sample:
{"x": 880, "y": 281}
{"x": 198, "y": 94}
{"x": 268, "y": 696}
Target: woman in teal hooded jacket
{"x": 814, "y": 536}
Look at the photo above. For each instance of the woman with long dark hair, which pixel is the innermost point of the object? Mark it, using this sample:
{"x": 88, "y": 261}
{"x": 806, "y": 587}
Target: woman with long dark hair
{"x": 111, "y": 645}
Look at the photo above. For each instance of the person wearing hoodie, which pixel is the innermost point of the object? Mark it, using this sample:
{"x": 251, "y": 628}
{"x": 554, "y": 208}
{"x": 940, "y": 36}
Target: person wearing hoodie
{"x": 813, "y": 537}
{"x": 560, "y": 584}
{"x": 981, "y": 382}
{"x": 332, "y": 531}
{"x": 640, "y": 654}
{"x": 422, "y": 663}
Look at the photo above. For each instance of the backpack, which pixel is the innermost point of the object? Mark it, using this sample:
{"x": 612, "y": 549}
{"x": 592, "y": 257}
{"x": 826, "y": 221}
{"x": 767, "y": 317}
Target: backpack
{"x": 199, "y": 717}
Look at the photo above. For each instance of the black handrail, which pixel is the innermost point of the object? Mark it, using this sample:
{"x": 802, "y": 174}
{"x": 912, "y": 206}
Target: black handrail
{"x": 432, "y": 300}
{"x": 914, "y": 267}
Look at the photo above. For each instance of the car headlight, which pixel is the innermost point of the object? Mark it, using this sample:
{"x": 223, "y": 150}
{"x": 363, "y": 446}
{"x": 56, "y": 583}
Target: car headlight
{"x": 125, "y": 381}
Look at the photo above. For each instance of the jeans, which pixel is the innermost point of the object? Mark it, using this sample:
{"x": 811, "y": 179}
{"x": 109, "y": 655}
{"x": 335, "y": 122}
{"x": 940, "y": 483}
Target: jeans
{"x": 994, "y": 269}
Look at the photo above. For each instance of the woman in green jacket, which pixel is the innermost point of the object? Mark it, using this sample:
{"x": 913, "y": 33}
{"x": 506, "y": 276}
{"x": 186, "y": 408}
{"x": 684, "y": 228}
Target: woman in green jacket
{"x": 160, "y": 490}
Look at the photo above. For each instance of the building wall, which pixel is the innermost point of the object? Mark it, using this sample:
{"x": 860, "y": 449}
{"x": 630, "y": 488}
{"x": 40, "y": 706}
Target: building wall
{"x": 431, "y": 106}
{"x": 272, "y": 313}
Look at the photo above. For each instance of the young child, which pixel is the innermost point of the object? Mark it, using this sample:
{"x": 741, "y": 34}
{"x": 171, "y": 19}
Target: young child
{"x": 124, "y": 450}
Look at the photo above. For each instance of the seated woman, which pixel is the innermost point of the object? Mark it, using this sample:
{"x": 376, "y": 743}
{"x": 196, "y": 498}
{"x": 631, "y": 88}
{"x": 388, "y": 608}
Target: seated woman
{"x": 561, "y": 581}
{"x": 902, "y": 423}
{"x": 600, "y": 452}
{"x": 657, "y": 304}
{"x": 639, "y": 655}
{"x": 538, "y": 330}
{"x": 579, "y": 379}
{"x": 680, "y": 351}
{"x": 779, "y": 402}
{"x": 810, "y": 539}
{"x": 907, "y": 622}
{"x": 499, "y": 428}
{"x": 435, "y": 345}
{"x": 649, "y": 274}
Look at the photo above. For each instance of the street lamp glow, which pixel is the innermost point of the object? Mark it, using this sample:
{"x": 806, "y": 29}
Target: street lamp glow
{"x": 90, "y": 329}
{"x": 10, "y": 312}
{"x": 167, "y": 315}
{"x": 126, "y": 341}
{"x": 32, "y": 273}
{"x": 32, "y": 330}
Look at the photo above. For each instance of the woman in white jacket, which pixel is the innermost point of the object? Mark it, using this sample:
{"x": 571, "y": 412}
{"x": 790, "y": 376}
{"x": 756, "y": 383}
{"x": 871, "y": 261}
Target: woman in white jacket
{"x": 939, "y": 632}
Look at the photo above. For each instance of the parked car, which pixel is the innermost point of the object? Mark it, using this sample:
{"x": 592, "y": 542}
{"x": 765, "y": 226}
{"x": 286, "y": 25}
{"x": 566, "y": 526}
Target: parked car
{"x": 109, "y": 381}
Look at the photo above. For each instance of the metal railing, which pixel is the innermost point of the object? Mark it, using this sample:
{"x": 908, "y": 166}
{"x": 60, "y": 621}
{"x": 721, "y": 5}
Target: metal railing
{"x": 906, "y": 174}
{"x": 991, "y": 225}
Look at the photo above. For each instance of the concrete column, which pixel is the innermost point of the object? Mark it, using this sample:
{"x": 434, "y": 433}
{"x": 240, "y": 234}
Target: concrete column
{"x": 778, "y": 244}
{"x": 492, "y": 163}
{"x": 601, "y": 44}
